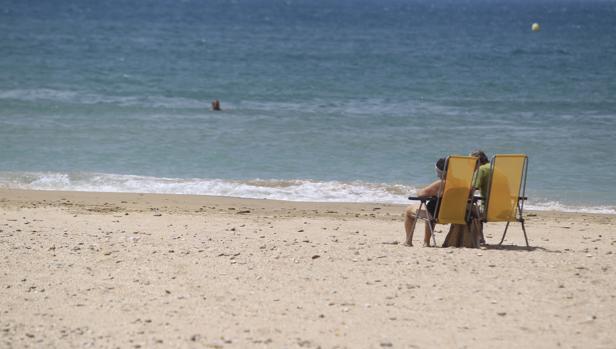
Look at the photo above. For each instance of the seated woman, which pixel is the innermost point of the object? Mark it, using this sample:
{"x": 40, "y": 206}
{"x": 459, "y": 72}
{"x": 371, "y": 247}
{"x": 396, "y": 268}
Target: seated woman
{"x": 411, "y": 212}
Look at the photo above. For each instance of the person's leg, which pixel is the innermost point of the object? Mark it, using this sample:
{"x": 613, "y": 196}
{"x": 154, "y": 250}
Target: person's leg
{"x": 410, "y": 216}
{"x": 409, "y": 223}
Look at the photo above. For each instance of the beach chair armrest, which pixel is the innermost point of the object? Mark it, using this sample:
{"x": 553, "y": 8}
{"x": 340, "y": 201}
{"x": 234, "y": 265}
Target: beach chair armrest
{"x": 422, "y": 198}
{"x": 480, "y": 198}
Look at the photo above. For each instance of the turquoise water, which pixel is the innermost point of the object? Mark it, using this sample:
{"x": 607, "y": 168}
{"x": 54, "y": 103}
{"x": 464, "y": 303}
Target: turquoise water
{"x": 322, "y": 100}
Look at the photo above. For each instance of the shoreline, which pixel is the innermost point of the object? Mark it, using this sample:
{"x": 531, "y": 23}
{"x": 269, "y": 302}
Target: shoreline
{"x": 296, "y": 190}
{"x": 163, "y": 270}
{"x": 193, "y": 200}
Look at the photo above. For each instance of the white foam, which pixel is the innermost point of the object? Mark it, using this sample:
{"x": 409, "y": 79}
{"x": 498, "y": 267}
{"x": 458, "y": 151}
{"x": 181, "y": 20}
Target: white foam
{"x": 289, "y": 190}
{"x": 367, "y": 107}
{"x": 557, "y": 206}
{"x": 64, "y": 96}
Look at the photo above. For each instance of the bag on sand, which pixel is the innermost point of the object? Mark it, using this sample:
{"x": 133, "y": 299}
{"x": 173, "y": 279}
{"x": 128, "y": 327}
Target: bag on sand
{"x": 461, "y": 236}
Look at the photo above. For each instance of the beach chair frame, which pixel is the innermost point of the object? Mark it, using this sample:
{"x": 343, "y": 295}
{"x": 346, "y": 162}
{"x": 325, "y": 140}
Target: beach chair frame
{"x": 432, "y": 220}
{"x": 519, "y": 215}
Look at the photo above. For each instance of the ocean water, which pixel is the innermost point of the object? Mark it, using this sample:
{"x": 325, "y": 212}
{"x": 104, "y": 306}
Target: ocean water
{"x": 335, "y": 100}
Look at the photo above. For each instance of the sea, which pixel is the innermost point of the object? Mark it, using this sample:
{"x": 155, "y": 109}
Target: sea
{"x": 322, "y": 100}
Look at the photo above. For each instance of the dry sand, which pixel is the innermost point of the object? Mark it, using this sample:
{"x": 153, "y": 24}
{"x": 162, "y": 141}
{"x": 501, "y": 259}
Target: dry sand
{"x": 148, "y": 271}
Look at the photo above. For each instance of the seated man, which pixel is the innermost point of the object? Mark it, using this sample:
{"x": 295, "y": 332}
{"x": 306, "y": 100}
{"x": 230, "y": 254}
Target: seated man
{"x": 481, "y": 183}
{"x": 429, "y": 191}
{"x": 483, "y": 174}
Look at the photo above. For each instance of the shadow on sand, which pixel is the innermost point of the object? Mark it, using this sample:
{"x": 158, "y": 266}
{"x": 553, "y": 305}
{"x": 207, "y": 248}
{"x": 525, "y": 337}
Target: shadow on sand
{"x": 520, "y": 248}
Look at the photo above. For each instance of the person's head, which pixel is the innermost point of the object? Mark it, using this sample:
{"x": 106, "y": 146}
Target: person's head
{"x": 483, "y": 158}
{"x": 439, "y": 167}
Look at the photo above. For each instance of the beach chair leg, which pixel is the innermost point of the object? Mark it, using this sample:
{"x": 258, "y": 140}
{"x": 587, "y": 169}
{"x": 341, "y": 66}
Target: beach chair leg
{"x": 525, "y": 237}
{"x": 416, "y": 218}
{"x": 414, "y": 224}
{"x": 504, "y": 233}
{"x": 432, "y": 226}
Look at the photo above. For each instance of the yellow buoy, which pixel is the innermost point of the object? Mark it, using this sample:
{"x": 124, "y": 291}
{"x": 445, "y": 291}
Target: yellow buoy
{"x": 535, "y": 27}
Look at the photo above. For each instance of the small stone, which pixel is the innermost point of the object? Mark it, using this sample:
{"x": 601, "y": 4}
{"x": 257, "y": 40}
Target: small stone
{"x": 390, "y": 242}
{"x": 316, "y": 256}
{"x": 502, "y": 313}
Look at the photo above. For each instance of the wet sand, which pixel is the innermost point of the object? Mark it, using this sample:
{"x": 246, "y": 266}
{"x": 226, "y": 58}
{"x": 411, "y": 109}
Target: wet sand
{"x": 167, "y": 271}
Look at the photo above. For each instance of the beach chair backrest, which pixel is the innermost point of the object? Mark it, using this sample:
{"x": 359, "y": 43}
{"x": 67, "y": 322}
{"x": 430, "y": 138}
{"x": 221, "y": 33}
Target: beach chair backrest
{"x": 507, "y": 174}
{"x": 459, "y": 171}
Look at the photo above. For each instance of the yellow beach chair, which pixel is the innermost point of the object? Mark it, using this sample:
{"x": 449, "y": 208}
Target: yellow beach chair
{"x": 454, "y": 199}
{"x": 506, "y": 191}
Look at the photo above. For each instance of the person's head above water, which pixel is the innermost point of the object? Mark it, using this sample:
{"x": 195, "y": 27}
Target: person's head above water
{"x": 439, "y": 167}
{"x": 483, "y": 158}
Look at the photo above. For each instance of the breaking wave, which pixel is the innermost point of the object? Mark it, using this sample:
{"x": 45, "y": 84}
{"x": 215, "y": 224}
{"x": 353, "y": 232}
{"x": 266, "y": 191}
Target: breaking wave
{"x": 289, "y": 190}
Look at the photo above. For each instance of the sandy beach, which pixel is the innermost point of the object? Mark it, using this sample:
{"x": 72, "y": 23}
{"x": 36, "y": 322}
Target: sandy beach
{"x": 176, "y": 271}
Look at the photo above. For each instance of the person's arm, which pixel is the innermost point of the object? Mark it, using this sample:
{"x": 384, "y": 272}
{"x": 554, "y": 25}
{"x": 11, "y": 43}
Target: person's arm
{"x": 477, "y": 180}
{"x": 431, "y": 190}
